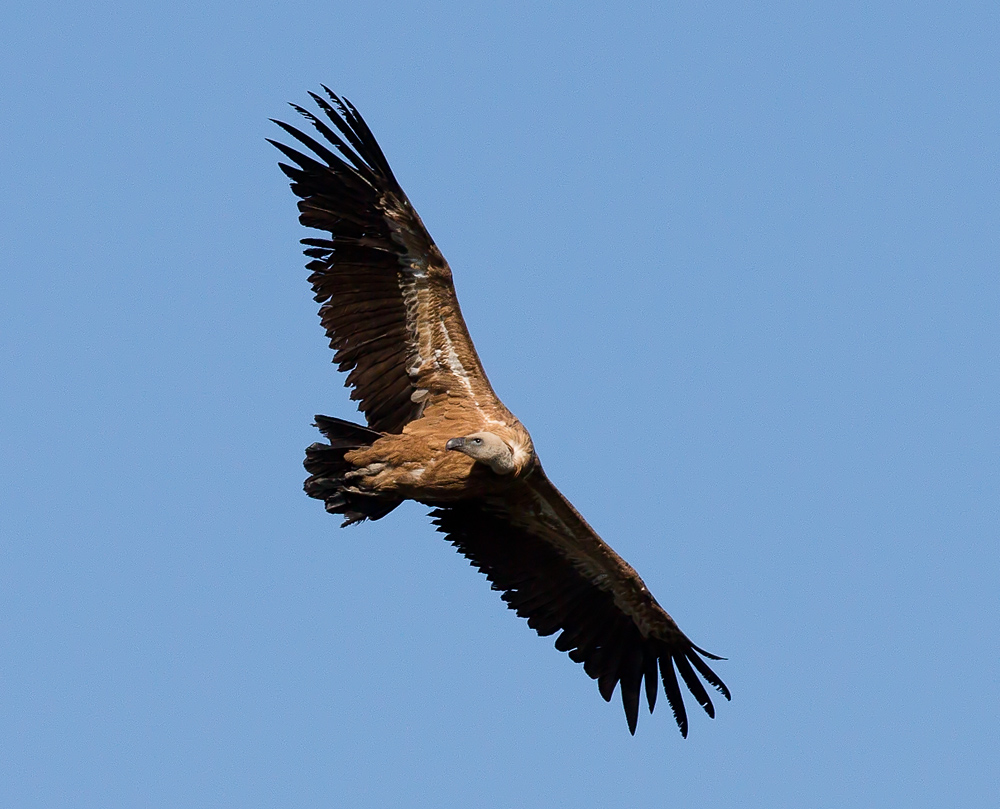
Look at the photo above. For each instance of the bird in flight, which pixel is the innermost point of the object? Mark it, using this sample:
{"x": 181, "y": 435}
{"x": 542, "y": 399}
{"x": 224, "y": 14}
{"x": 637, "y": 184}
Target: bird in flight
{"x": 438, "y": 434}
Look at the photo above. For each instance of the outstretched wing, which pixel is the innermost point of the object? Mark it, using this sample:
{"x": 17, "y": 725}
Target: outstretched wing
{"x": 387, "y": 300}
{"x": 554, "y": 570}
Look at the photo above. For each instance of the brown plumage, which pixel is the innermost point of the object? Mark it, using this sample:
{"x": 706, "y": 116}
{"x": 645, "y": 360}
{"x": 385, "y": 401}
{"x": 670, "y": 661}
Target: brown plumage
{"x": 438, "y": 434}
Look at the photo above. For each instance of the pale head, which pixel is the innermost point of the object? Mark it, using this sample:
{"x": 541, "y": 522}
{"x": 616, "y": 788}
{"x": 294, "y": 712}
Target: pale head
{"x": 487, "y": 448}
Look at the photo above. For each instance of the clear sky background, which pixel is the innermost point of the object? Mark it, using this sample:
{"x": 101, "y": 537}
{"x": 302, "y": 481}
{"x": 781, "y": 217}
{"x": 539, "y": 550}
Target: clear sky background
{"x": 734, "y": 265}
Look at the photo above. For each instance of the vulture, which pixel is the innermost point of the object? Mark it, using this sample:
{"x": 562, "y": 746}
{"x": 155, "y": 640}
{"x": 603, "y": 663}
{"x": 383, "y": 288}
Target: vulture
{"x": 438, "y": 434}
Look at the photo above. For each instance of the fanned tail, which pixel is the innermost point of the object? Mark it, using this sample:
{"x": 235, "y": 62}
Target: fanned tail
{"x": 327, "y": 469}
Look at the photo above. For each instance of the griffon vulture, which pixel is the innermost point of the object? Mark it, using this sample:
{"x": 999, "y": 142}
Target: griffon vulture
{"x": 438, "y": 434}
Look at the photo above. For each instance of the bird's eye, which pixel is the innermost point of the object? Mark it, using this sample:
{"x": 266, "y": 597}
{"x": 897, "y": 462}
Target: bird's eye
{"x": 477, "y": 441}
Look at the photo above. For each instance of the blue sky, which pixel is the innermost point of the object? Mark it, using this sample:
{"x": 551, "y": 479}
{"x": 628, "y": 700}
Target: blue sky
{"x": 736, "y": 270}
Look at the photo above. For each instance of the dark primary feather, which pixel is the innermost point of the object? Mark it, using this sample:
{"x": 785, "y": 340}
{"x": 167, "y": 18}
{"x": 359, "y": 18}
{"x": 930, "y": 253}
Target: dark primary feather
{"x": 542, "y": 585}
{"x": 356, "y": 272}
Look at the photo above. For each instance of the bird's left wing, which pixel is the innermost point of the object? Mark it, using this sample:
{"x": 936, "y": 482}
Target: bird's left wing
{"x": 554, "y": 570}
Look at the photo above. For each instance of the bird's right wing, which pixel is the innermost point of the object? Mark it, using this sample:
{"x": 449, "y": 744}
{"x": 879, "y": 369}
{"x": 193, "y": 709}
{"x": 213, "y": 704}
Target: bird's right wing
{"x": 387, "y": 299}
{"x": 554, "y": 570}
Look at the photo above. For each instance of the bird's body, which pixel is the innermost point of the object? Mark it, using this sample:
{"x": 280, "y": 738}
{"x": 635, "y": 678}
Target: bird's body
{"x": 437, "y": 432}
{"x": 416, "y": 465}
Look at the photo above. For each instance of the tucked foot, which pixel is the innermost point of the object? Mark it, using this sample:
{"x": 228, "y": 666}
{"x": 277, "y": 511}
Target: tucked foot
{"x": 365, "y": 471}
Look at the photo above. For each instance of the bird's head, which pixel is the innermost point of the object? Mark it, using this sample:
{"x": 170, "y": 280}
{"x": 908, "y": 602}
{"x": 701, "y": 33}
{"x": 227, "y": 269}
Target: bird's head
{"x": 487, "y": 448}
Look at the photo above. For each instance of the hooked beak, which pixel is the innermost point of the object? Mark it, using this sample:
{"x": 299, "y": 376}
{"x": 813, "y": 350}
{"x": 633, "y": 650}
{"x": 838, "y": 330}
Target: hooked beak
{"x": 455, "y": 443}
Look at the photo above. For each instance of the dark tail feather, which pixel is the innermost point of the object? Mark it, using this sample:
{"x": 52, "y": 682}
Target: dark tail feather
{"x": 345, "y": 433}
{"x": 326, "y": 467}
